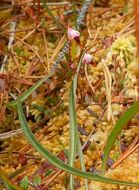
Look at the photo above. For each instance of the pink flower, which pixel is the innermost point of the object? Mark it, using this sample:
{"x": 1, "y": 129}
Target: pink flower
{"x": 73, "y": 34}
{"x": 87, "y": 58}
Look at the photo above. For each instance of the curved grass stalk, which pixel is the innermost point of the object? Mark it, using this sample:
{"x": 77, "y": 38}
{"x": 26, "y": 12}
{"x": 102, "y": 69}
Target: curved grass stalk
{"x": 127, "y": 116}
{"x": 28, "y": 92}
{"x": 7, "y": 183}
{"x": 56, "y": 161}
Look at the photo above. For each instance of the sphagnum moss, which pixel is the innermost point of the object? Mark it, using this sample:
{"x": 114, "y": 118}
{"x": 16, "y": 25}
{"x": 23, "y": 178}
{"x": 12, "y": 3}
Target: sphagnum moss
{"x": 124, "y": 49}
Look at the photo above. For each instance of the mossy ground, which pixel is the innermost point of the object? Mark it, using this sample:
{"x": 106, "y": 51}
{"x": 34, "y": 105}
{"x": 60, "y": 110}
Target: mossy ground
{"x": 38, "y": 38}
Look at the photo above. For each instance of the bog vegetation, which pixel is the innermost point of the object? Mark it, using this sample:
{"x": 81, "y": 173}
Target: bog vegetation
{"x": 69, "y": 95}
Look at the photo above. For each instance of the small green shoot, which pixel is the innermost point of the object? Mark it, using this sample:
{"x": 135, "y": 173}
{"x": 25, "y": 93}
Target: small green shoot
{"x": 24, "y": 183}
{"x": 37, "y": 180}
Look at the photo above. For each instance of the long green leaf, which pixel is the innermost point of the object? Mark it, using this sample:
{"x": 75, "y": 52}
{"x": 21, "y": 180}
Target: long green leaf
{"x": 74, "y": 139}
{"x": 81, "y": 156}
{"x": 7, "y": 183}
{"x": 72, "y": 114}
{"x": 27, "y": 93}
{"x": 127, "y": 116}
{"x": 73, "y": 133}
{"x": 56, "y": 161}
{"x": 73, "y": 124}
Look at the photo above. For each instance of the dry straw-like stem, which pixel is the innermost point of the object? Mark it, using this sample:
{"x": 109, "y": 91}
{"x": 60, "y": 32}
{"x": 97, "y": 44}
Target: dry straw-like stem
{"x": 86, "y": 74}
{"x": 108, "y": 83}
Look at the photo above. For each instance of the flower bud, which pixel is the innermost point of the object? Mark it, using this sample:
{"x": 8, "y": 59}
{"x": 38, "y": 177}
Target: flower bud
{"x": 87, "y": 58}
{"x": 73, "y": 34}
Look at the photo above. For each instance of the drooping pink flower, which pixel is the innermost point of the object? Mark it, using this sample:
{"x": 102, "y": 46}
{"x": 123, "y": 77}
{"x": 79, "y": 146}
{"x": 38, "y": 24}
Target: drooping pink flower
{"x": 87, "y": 58}
{"x": 73, "y": 34}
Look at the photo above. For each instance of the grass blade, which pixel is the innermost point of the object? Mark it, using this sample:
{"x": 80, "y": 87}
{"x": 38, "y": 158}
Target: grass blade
{"x": 7, "y": 183}
{"x": 72, "y": 133}
{"x": 81, "y": 156}
{"x": 127, "y": 116}
{"x": 73, "y": 122}
{"x": 74, "y": 136}
{"x": 56, "y": 161}
{"x": 27, "y": 93}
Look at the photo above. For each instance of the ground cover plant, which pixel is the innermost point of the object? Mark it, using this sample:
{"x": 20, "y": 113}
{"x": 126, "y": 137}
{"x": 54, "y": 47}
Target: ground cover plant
{"x": 69, "y": 95}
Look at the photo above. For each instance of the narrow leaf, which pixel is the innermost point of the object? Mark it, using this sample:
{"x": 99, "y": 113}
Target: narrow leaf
{"x": 73, "y": 122}
{"x": 127, "y": 116}
{"x": 80, "y": 152}
{"x": 7, "y": 183}
{"x": 27, "y": 93}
